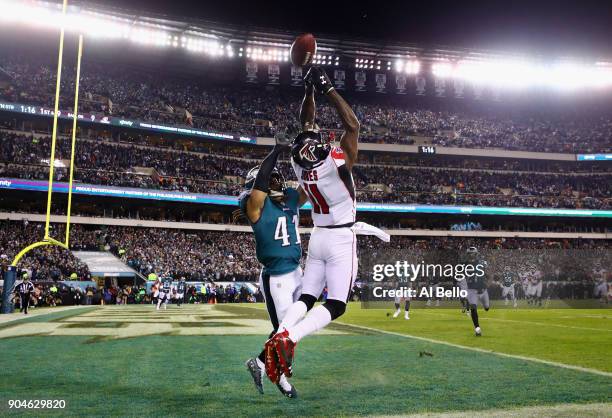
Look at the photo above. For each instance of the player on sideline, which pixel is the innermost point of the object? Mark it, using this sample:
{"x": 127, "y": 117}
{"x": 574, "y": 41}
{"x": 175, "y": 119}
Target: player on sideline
{"x": 402, "y": 298}
{"x": 465, "y": 305}
{"x": 534, "y": 287}
{"x": 477, "y": 289}
{"x": 508, "y": 286}
{"x": 163, "y": 292}
{"x": 272, "y": 210}
{"x": 180, "y": 292}
{"x": 324, "y": 172}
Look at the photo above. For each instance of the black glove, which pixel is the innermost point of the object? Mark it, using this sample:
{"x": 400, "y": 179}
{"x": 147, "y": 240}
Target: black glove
{"x": 283, "y": 139}
{"x": 320, "y": 80}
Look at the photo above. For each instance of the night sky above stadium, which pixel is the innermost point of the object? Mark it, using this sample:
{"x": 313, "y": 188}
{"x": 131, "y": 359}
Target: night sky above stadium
{"x": 556, "y": 27}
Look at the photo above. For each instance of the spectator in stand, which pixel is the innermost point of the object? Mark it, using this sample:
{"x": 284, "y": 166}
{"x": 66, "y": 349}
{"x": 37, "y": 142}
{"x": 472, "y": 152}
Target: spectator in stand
{"x": 101, "y": 162}
{"x": 129, "y": 93}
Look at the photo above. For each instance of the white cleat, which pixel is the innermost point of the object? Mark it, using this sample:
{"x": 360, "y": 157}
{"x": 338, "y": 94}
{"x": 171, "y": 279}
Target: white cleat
{"x": 396, "y": 314}
{"x": 515, "y": 304}
{"x": 406, "y": 316}
{"x": 478, "y": 331}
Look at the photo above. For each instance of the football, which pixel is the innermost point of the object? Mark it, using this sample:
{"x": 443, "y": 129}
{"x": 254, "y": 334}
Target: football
{"x": 303, "y": 49}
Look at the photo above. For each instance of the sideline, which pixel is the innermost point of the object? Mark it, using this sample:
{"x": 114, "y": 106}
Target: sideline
{"x": 16, "y": 316}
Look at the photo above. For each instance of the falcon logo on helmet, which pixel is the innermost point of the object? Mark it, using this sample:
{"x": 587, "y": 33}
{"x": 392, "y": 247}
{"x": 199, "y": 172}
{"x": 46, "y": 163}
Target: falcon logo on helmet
{"x": 309, "y": 150}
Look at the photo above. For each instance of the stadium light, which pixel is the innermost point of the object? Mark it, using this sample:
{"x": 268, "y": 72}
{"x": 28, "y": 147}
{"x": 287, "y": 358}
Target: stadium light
{"x": 99, "y": 25}
{"x": 442, "y": 69}
{"x": 411, "y": 66}
{"x": 523, "y": 74}
{"x": 278, "y": 53}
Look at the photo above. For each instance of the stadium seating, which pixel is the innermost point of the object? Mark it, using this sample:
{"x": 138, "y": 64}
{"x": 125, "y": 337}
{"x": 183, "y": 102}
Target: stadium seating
{"x": 206, "y": 255}
{"x": 106, "y": 163}
{"x": 129, "y": 93}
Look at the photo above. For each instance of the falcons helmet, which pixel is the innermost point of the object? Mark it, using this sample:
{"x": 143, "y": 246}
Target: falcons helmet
{"x": 309, "y": 149}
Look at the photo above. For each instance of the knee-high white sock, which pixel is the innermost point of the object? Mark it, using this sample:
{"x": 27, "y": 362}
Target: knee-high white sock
{"x": 316, "y": 319}
{"x": 293, "y": 315}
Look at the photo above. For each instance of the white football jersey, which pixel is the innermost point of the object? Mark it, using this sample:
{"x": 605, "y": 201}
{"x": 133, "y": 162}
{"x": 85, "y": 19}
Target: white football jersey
{"x": 330, "y": 190}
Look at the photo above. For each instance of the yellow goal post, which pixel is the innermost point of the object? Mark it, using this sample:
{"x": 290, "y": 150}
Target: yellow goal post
{"x": 47, "y": 239}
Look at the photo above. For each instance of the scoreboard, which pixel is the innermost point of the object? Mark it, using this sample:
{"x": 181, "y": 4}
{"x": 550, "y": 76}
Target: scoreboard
{"x": 427, "y": 149}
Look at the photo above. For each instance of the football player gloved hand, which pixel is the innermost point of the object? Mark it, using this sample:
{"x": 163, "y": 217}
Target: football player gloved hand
{"x": 283, "y": 140}
{"x": 319, "y": 79}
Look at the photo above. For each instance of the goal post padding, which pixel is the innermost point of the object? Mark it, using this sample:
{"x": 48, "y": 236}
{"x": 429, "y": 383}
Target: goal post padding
{"x": 9, "y": 277}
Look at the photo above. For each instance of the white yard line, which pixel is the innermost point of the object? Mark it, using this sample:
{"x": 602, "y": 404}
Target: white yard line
{"x": 16, "y": 316}
{"x": 521, "y": 322}
{"x": 559, "y": 410}
{"x": 481, "y": 350}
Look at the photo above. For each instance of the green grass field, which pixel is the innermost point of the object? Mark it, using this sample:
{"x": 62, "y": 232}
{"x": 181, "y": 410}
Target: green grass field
{"x": 134, "y": 361}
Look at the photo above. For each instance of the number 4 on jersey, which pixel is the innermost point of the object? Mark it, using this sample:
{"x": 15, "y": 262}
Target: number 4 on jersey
{"x": 280, "y": 233}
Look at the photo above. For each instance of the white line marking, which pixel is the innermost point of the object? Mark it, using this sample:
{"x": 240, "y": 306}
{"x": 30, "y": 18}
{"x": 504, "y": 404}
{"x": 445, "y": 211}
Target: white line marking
{"x": 558, "y": 410}
{"x": 481, "y": 350}
{"x": 524, "y": 322}
{"x": 16, "y": 316}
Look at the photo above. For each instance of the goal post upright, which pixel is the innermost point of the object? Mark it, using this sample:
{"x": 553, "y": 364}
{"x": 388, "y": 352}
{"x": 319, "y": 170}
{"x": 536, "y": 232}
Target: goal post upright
{"x": 47, "y": 239}
{"x": 55, "y": 118}
{"x": 73, "y": 143}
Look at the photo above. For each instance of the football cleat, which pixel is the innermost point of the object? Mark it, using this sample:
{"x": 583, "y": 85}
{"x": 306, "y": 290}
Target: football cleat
{"x": 272, "y": 366}
{"x": 396, "y": 314}
{"x": 284, "y": 348}
{"x": 478, "y": 331}
{"x": 256, "y": 372}
{"x": 290, "y": 393}
{"x": 406, "y": 316}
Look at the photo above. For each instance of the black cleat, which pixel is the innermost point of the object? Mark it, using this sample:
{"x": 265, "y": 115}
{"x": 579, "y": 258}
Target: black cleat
{"x": 292, "y": 393}
{"x": 256, "y": 373}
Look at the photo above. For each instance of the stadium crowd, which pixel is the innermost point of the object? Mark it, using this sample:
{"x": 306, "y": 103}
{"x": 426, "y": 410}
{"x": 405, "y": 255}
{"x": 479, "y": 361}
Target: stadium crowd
{"x": 210, "y": 255}
{"x": 46, "y": 263}
{"x": 130, "y": 93}
{"x": 52, "y": 293}
{"x": 109, "y": 163}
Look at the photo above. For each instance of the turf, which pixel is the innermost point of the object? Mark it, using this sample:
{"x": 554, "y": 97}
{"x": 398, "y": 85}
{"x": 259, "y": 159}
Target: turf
{"x": 355, "y": 373}
{"x": 580, "y": 337}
